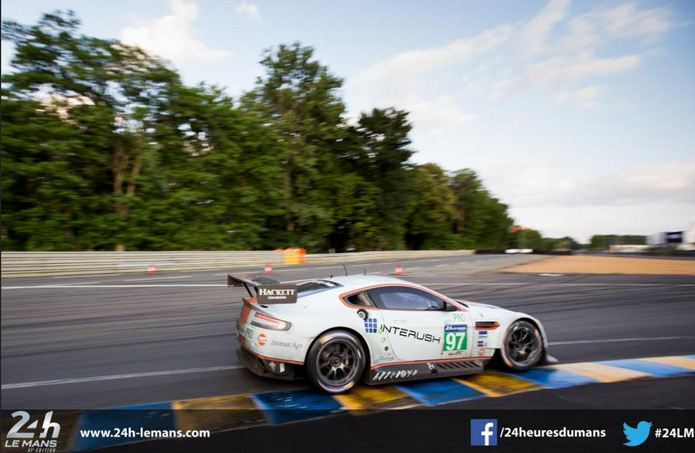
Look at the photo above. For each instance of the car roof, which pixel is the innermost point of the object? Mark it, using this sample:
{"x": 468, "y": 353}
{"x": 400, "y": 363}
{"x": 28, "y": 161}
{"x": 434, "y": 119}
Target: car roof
{"x": 351, "y": 282}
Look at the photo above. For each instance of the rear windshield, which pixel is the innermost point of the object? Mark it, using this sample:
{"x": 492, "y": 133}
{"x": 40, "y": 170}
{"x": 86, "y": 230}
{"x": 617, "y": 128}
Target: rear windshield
{"x": 315, "y": 286}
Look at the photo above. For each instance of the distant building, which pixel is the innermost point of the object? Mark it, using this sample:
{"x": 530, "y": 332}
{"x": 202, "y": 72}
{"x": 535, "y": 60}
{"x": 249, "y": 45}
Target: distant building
{"x": 682, "y": 240}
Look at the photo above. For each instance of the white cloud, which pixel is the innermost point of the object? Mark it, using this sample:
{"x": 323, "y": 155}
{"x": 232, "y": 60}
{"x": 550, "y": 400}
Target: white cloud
{"x": 582, "y": 33}
{"x": 591, "y": 30}
{"x": 397, "y": 78}
{"x": 172, "y": 36}
{"x": 626, "y": 21}
{"x": 249, "y": 10}
{"x": 434, "y": 116}
{"x": 554, "y": 184}
{"x": 585, "y": 97}
{"x": 533, "y": 34}
{"x": 552, "y": 50}
{"x": 565, "y": 71}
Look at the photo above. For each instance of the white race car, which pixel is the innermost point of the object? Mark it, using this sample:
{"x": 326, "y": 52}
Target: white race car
{"x": 339, "y": 330}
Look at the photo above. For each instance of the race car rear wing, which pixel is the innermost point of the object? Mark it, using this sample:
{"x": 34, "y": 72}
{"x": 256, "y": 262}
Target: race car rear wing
{"x": 268, "y": 291}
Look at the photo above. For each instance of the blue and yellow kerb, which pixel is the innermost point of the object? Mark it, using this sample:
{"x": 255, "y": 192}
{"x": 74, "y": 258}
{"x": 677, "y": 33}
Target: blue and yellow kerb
{"x": 224, "y": 413}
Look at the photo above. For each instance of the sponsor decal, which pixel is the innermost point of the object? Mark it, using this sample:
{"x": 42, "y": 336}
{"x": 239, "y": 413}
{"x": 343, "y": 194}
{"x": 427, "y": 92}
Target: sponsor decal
{"x": 262, "y": 339}
{"x": 455, "y": 337}
{"x": 459, "y": 317}
{"x": 408, "y": 333}
{"x": 370, "y": 325}
{"x": 398, "y": 374}
{"x": 482, "y": 343}
{"x": 277, "y": 294}
{"x": 481, "y": 352}
{"x": 249, "y": 333}
{"x": 286, "y": 344}
{"x": 26, "y": 433}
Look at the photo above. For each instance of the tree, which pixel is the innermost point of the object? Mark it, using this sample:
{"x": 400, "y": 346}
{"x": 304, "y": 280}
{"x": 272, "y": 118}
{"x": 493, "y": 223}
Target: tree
{"x": 299, "y": 97}
{"x": 104, "y": 147}
{"x": 382, "y": 160}
{"x": 213, "y": 185}
{"x": 481, "y": 219}
{"x": 115, "y": 92}
{"x": 432, "y": 217}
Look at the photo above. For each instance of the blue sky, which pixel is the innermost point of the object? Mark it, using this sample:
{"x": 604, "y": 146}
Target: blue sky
{"x": 578, "y": 114}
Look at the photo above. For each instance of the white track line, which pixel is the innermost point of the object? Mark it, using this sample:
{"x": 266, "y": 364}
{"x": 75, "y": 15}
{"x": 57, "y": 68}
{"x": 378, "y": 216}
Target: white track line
{"x": 619, "y": 340}
{"x": 114, "y": 377}
{"x": 152, "y": 279}
{"x": 78, "y": 283}
{"x": 80, "y": 276}
{"x": 174, "y": 285}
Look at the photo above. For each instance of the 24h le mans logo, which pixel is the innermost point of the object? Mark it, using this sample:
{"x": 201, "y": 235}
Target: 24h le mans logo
{"x": 23, "y": 434}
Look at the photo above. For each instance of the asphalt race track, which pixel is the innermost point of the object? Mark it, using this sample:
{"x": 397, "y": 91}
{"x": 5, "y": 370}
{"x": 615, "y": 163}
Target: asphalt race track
{"x": 119, "y": 340}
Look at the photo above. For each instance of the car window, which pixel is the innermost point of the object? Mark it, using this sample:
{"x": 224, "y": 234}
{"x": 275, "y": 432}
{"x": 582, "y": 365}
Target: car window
{"x": 404, "y": 298}
{"x": 313, "y": 287}
{"x": 361, "y": 299}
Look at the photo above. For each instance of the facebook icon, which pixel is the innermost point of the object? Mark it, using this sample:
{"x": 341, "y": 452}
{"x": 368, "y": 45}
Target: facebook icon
{"x": 483, "y": 432}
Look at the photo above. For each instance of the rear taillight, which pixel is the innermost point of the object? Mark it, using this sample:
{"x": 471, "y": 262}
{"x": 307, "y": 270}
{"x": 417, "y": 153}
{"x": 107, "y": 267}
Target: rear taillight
{"x": 244, "y": 315}
{"x": 268, "y": 322}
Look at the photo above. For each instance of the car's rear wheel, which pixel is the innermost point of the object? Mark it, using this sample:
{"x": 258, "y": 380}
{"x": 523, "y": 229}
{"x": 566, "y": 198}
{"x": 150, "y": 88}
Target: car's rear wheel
{"x": 336, "y": 361}
{"x": 522, "y": 346}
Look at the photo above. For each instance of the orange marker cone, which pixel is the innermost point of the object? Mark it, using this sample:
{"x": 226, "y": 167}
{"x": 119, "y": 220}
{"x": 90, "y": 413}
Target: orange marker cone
{"x": 399, "y": 269}
{"x": 152, "y": 269}
{"x": 268, "y": 269}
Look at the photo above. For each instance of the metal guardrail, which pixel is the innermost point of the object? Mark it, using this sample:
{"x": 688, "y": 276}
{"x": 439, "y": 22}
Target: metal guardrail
{"x": 54, "y": 264}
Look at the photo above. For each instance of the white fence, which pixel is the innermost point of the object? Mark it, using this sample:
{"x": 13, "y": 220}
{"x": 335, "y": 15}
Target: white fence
{"x": 38, "y": 264}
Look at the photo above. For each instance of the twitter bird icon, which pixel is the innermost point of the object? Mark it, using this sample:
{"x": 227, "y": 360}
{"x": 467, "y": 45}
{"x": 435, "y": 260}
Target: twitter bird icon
{"x": 636, "y": 436}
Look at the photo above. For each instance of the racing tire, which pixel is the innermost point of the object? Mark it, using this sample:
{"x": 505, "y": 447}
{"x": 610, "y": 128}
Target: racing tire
{"x": 522, "y": 346}
{"x": 336, "y": 361}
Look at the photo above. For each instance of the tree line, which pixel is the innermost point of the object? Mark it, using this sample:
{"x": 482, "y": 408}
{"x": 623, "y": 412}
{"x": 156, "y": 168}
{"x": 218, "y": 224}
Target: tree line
{"x": 104, "y": 147}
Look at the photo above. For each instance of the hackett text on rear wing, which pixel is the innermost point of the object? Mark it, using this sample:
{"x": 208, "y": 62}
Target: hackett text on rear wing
{"x": 277, "y": 294}
{"x": 268, "y": 291}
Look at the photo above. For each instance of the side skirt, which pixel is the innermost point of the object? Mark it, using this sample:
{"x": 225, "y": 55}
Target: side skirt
{"x": 401, "y": 372}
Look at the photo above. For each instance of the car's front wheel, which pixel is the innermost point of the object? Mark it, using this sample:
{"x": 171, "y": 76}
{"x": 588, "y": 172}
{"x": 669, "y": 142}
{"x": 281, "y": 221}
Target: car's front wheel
{"x": 336, "y": 361}
{"x": 522, "y": 346}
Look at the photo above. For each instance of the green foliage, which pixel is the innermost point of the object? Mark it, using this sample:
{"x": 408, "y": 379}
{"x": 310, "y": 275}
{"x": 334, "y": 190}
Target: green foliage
{"x": 564, "y": 243}
{"x": 480, "y": 219}
{"x": 105, "y": 148}
{"x": 433, "y": 213}
{"x": 604, "y": 241}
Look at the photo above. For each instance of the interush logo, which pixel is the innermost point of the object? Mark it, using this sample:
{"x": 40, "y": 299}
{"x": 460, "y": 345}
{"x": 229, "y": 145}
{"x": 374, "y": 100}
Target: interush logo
{"x": 428, "y": 337}
{"x": 26, "y": 433}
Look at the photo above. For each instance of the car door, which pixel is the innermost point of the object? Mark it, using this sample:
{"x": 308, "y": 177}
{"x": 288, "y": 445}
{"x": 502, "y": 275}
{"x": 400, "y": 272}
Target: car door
{"x": 421, "y": 325}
